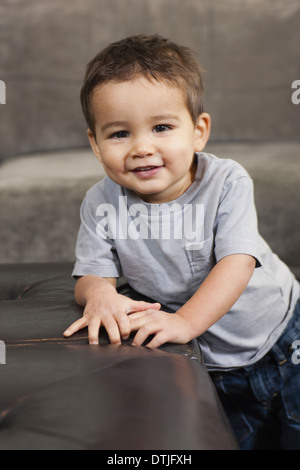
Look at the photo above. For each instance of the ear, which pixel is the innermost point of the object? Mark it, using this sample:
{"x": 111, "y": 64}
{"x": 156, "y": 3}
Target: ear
{"x": 202, "y": 131}
{"x": 94, "y": 144}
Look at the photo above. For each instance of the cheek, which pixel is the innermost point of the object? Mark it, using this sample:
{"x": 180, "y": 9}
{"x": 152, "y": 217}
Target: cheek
{"x": 110, "y": 155}
{"x": 181, "y": 153}
{"x": 114, "y": 163}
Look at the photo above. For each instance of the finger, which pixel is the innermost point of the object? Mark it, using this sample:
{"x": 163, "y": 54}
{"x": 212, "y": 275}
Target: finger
{"x": 112, "y": 330}
{"x": 94, "y": 327}
{"x": 124, "y": 327}
{"x": 77, "y": 325}
{"x": 143, "y": 334}
{"x": 157, "y": 341}
{"x": 138, "y": 319}
{"x": 139, "y": 305}
{"x": 137, "y": 315}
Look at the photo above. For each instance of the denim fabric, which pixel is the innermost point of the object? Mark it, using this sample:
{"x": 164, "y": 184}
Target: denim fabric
{"x": 262, "y": 401}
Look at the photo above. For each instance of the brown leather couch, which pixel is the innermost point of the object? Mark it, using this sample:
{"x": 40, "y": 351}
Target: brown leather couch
{"x": 63, "y": 394}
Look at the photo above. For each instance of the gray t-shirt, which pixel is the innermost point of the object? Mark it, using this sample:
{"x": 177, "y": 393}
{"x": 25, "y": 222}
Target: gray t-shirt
{"x": 166, "y": 251}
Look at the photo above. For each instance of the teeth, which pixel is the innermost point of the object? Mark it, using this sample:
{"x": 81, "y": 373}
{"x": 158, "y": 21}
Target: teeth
{"x": 145, "y": 168}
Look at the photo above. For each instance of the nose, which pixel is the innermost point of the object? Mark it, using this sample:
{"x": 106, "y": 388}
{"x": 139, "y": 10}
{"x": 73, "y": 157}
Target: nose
{"x": 142, "y": 146}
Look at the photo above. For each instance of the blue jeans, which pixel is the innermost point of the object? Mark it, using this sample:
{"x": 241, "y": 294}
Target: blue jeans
{"x": 262, "y": 401}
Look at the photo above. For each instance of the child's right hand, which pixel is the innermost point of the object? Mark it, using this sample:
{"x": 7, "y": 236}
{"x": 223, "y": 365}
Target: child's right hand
{"x": 110, "y": 310}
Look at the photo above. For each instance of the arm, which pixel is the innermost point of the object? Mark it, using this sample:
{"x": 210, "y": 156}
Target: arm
{"x": 103, "y": 306}
{"x": 216, "y": 295}
{"x": 87, "y": 285}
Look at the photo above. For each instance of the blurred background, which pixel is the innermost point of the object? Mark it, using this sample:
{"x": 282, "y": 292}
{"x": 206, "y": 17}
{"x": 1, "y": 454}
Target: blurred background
{"x": 249, "y": 50}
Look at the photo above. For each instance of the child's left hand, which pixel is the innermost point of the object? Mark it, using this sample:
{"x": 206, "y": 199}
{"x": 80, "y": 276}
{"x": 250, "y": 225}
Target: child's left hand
{"x": 166, "y": 327}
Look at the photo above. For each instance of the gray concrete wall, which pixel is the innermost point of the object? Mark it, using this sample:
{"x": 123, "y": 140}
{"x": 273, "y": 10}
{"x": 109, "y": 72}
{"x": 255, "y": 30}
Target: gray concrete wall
{"x": 250, "y": 49}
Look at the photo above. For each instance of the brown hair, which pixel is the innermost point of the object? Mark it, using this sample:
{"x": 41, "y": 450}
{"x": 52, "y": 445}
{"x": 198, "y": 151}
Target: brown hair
{"x": 155, "y": 58}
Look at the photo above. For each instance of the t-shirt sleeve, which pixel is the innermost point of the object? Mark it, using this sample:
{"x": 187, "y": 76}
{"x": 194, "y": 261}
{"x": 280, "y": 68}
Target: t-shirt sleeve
{"x": 236, "y": 226}
{"x": 95, "y": 254}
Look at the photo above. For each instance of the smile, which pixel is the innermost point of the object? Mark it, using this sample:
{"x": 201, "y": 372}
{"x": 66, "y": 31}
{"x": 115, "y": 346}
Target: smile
{"x": 147, "y": 171}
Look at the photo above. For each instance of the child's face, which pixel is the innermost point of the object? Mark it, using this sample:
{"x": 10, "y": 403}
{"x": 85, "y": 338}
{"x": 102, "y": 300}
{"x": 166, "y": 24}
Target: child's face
{"x": 145, "y": 137}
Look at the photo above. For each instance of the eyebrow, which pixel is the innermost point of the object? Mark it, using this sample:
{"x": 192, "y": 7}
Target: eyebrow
{"x": 113, "y": 124}
{"x": 159, "y": 117}
{"x": 163, "y": 117}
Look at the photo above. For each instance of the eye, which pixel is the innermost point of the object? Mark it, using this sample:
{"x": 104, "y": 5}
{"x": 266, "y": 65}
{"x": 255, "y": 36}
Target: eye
{"x": 161, "y": 128}
{"x": 119, "y": 135}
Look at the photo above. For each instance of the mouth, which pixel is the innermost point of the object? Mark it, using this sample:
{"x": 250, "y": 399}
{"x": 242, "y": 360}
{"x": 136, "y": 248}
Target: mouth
{"x": 147, "y": 171}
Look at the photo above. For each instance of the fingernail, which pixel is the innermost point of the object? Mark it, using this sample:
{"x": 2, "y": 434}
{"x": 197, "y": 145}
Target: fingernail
{"x": 94, "y": 342}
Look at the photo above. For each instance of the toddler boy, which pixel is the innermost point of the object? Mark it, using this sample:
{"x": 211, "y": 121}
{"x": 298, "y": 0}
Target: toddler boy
{"x": 180, "y": 224}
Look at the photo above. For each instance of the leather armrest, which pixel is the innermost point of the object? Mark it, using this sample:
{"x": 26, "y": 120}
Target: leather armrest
{"x": 61, "y": 393}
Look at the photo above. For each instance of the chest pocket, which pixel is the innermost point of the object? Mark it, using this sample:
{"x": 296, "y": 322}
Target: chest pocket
{"x": 201, "y": 258}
